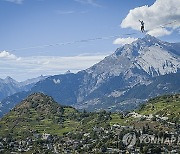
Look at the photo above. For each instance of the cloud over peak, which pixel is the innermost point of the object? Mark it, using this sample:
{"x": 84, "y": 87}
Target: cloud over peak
{"x": 123, "y": 41}
{"x": 159, "y": 17}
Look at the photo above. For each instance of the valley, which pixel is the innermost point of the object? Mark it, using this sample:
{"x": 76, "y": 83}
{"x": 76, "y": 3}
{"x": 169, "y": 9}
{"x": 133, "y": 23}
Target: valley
{"x": 39, "y": 124}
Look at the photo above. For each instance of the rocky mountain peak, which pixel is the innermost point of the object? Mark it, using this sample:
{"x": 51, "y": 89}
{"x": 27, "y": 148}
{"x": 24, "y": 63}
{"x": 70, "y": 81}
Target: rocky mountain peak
{"x": 111, "y": 80}
{"x": 8, "y": 79}
{"x": 148, "y": 41}
{"x": 150, "y": 38}
{"x": 137, "y": 47}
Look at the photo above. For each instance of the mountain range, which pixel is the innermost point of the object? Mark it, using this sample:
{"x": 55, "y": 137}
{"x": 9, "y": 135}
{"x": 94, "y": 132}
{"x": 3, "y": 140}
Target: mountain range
{"x": 132, "y": 74}
{"x": 9, "y": 86}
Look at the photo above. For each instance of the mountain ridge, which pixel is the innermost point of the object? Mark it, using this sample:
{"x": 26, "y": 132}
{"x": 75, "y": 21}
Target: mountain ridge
{"x": 9, "y": 86}
{"x": 112, "y": 78}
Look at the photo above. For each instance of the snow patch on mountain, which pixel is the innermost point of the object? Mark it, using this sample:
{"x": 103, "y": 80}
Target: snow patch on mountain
{"x": 57, "y": 81}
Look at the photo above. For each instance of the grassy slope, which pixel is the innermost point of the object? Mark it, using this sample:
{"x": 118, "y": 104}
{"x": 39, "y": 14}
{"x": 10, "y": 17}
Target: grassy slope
{"x": 10, "y": 124}
{"x": 164, "y": 106}
{"x": 51, "y": 118}
{"x": 38, "y": 113}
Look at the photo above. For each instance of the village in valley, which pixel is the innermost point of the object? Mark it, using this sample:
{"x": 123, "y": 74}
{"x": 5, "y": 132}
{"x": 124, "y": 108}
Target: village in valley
{"x": 153, "y": 134}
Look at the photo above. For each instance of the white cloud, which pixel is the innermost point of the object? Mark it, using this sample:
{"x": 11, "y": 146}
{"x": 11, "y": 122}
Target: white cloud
{"x": 163, "y": 13}
{"x": 29, "y": 67}
{"x": 159, "y": 32}
{"x": 123, "y": 41}
{"x": 90, "y": 2}
{"x": 15, "y": 1}
{"x": 7, "y": 55}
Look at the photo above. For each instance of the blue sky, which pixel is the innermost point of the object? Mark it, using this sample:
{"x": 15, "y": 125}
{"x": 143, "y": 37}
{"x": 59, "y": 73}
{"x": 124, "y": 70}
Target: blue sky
{"x": 28, "y": 23}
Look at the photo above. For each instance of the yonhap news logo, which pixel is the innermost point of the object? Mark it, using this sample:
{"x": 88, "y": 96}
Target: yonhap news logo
{"x": 130, "y": 139}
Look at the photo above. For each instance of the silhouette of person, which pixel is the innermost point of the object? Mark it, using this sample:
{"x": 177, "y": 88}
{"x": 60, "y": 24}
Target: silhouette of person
{"x": 142, "y": 26}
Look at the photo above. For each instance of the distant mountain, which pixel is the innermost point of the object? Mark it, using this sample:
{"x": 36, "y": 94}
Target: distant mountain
{"x": 133, "y": 73}
{"x": 131, "y": 98}
{"x": 29, "y": 83}
{"x": 9, "y": 86}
